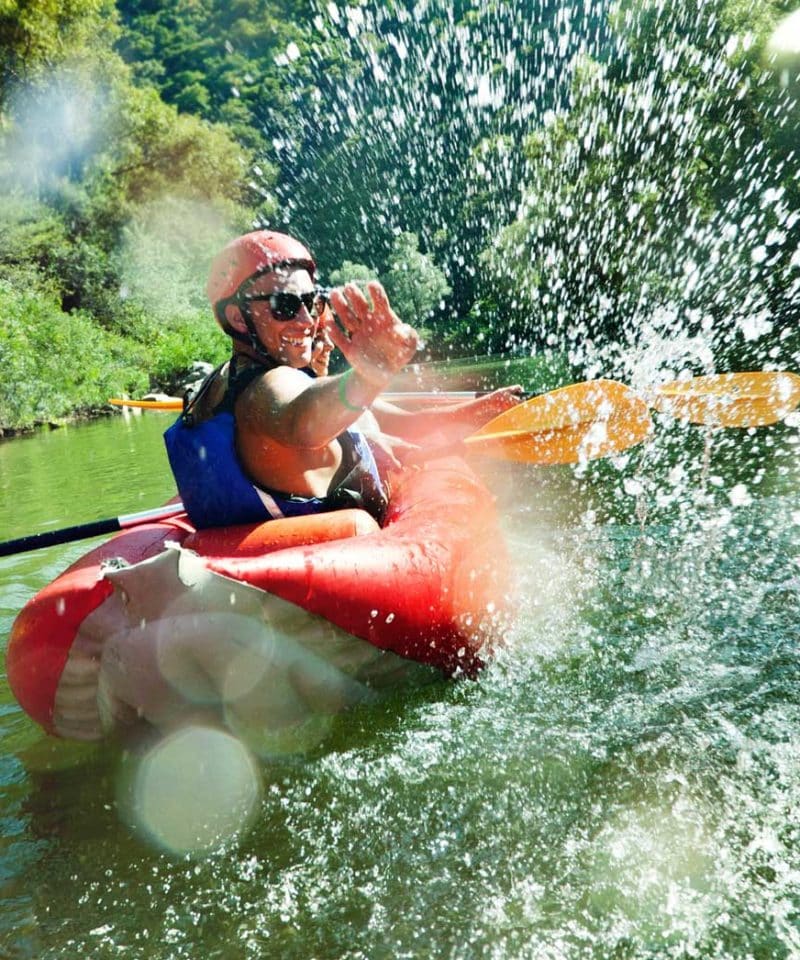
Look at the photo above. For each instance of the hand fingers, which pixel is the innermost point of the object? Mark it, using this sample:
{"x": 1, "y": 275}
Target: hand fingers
{"x": 322, "y": 349}
{"x": 323, "y": 338}
{"x": 385, "y": 316}
{"x": 407, "y": 452}
{"x": 354, "y": 310}
{"x": 403, "y": 334}
{"x": 379, "y": 298}
{"x": 359, "y": 306}
{"x": 325, "y": 321}
{"x": 397, "y": 452}
{"x": 503, "y": 399}
{"x": 344, "y": 310}
{"x": 409, "y": 338}
{"x": 354, "y": 354}
{"x": 515, "y": 392}
{"x": 342, "y": 341}
{"x": 391, "y": 457}
{"x": 373, "y": 340}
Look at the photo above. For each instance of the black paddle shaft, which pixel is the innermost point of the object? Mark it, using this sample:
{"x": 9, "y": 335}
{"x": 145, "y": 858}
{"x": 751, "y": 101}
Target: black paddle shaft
{"x": 83, "y": 531}
{"x": 50, "y": 538}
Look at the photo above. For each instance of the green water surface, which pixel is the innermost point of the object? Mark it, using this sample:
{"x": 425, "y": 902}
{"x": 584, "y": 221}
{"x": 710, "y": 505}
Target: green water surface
{"x": 622, "y": 782}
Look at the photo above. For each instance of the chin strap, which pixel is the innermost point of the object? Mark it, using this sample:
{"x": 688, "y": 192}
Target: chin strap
{"x": 251, "y": 338}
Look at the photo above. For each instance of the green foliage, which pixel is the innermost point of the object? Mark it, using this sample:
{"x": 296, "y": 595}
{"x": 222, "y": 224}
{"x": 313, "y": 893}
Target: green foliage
{"x": 659, "y": 206}
{"x": 415, "y": 285}
{"x": 643, "y": 195}
{"x": 172, "y": 345}
{"x": 153, "y": 151}
{"x": 32, "y": 233}
{"x": 222, "y": 61}
{"x": 349, "y": 272}
{"x": 34, "y": 34}
{"x": 394, "y": 139}
{"x": 56, "y": 363}
{"x": 112, "y": 204}
{"x": 166, "y": 249}
{"x": 60, "y": 363}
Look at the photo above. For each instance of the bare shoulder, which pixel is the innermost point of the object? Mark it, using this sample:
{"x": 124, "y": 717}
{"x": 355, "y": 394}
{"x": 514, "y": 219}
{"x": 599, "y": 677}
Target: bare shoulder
{"x": 280, "y": 385}
{"x": 262, "y": 406}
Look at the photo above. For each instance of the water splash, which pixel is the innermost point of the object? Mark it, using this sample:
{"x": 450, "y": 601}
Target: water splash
{"x": 624, "y": 780}
{"x": 606, "y": 184}
{"x": 425, "y": 136}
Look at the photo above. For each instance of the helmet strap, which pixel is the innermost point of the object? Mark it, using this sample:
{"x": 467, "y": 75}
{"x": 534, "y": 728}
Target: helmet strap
{"x": 251, "y": 337}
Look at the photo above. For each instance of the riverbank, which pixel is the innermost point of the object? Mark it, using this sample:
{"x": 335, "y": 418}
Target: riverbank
{"x": 60, "y": 367}
{"x": 10, "y": 433}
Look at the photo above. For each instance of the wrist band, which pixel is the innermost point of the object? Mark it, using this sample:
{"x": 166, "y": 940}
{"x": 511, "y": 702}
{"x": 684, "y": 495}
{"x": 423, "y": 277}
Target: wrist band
{"x": 343, "y": 393}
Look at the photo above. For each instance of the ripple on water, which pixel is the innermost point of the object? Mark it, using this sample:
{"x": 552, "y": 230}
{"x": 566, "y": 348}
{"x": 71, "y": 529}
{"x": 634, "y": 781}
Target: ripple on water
{"x": 623, "y": 782}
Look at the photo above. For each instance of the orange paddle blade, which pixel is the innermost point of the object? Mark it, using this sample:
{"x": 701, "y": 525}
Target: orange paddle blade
{"x": 173, "y": 403}
{"x": 577, "y": 423}
{"x": 730, "y": 399}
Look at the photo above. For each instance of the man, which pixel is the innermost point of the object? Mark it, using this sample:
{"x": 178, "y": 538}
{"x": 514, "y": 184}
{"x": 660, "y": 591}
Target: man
{"x": 265, "y": 437}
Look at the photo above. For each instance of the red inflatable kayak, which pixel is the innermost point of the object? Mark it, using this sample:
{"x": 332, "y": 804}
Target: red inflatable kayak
{"x": 264, "y": 626}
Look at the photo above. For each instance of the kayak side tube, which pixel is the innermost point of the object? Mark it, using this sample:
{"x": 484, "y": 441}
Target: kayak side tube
{"x": 430, "y": 587}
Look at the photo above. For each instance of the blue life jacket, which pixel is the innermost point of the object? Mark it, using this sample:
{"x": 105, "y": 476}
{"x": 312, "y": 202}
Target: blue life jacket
{"x": 217, "y": 492}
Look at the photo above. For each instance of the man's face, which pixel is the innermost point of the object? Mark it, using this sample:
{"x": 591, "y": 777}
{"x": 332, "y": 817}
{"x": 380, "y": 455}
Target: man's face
{"x": 288, "y": 341}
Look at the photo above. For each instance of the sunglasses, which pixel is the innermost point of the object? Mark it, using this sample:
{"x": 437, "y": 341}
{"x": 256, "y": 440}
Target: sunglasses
{"x": 286, "y": 306}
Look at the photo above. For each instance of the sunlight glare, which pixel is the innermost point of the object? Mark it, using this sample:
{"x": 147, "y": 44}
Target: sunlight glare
{"x": 786, "y": 38}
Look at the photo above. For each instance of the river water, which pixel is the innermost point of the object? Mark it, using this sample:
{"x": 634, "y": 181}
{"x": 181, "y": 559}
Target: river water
{"x": 623, "y": 781}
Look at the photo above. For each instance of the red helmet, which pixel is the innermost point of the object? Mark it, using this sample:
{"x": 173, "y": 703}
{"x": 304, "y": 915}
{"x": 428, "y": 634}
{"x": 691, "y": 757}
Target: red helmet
{"x": 246, "y": 258}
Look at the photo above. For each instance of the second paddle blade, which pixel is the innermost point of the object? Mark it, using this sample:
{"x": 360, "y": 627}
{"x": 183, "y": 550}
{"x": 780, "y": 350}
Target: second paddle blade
{"x": 731, "y": 399}
{"x": 577, "y": 423}
{"x": 169, "y": 403}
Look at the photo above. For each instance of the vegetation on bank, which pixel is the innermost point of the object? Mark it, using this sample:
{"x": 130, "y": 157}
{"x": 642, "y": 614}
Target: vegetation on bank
{"x": 520, "y": 181}
{"x": 58, "y": 365}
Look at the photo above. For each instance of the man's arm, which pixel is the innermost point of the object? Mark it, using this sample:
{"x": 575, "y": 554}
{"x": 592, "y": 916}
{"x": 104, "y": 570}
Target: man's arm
{"x": 287, "y": 406}
{"x": 445, "y": 423}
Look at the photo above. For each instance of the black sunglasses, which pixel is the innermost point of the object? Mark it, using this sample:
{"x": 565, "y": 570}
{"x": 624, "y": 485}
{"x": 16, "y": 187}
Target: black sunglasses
{"x": 285, "y": 306}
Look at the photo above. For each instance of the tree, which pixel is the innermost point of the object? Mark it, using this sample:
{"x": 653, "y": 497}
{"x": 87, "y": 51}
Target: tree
{"x": 99, "y": 153}
{"x": 166, "y": 249}
{"x": 417, "y": 123}
{"x": 415, "y": 285}
{"x": 660, "y": 207}
{"x": 34, "y": 34}
{"x": 220, "y": 60}
{"x": 349, "y": 272}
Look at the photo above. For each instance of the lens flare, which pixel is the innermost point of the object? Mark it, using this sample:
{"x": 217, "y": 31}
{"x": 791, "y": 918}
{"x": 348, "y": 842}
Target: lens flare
{"x": 195, "y": 791}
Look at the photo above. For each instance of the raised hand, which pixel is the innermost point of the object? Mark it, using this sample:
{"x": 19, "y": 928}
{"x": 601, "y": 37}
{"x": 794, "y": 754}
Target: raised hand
{"x": 375, "y": 342}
